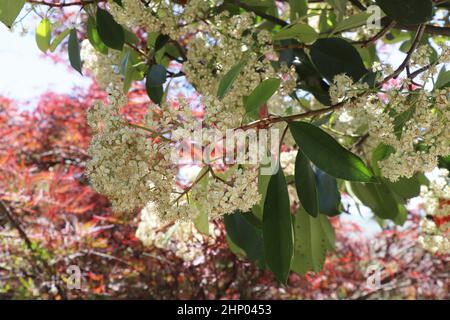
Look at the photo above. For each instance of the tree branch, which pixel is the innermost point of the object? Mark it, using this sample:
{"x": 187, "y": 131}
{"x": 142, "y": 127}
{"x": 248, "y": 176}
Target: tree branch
{"x": 63, "y": 4}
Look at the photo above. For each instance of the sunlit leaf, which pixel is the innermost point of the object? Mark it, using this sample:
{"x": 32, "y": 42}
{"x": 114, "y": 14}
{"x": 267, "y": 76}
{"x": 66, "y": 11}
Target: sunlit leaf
{"x": 327, "y": 154}
{"x": 43, "y": 35}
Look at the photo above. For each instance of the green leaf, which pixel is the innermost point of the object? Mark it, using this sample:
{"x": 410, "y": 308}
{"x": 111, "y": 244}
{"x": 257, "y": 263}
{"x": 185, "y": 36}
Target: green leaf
{"x": 443, "y": 79}
{"x": 377, "y": 197}
{"x": 407, "y": 188}
{"x": 407, "y": 11}
{"x": 156, "y": 75}
{"x": 94, "y": 37}
{"x": 404, "y": 188}
{"x": 111, "y": 33}
{"x": 227, "y": 81}
{"x": 444, "y": 162}
{"x": 129, "y": 70}
{"x": 333, "y": 56}
{"x": 305, "y": 183}
{"x": 352, "y": 22}
{"x": 277, "y": 227}
{"x": 43, "y": 35}
{"x": 338, "y": 5}
{"x": 327, "y": 154}
{"x": 201, "y": 221}
{"x": 381, "y": 152}
{"x": 263, "y": 183}
{"x": 245, "y": 235}
{"x": 9, "y": 10}
{"x": 161, "y": 41}
{"x": 329, "y": 195}
{"x": 300, "y": 31}
{"x": 154, "y": 93}
{"x": 260, "y": 95}
{"x": 74, "y": 51}
{"x": 58, "y": 39}
{"x": 298, "y": 9}
{"x": 314, "y": 237}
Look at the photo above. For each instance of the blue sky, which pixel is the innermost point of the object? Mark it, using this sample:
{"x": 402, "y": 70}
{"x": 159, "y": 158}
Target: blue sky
{"x": 26, "y": 73}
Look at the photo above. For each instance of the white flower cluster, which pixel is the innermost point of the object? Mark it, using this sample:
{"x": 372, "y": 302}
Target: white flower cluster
{"x": 239, "y": 194}
{"x": 123, "y": 157}
{"x": 104, "y": 67}
{"x": 343, "y": 88}
{"x": 435, "y": 228}
{"x": 220, "y": 46}
{"x": 162, "y": 16}
{"x": 413, "y": 122}
{"x": 180, "y": 237}
{"x": 422, "y": 138}
{"x": 132, "y": 165}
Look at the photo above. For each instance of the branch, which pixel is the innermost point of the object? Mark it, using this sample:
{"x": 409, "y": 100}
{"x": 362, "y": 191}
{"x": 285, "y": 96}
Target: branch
{"x": 63, "y": 4}
{"x": 7, "y": 212}
{"x": 379, "y": 35}
{"x": 429, "y": 29}
{"x": 405, "y": 63}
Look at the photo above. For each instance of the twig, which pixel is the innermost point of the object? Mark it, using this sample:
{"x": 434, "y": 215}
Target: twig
{"x": 63, "y": 4}
{"x": 405, "y": 63}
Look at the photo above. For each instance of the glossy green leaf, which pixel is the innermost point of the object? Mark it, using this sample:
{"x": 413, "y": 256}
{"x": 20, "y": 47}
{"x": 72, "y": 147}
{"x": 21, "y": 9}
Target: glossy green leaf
{"x": 381, "y": 152}
{"x": 263, "y": 183}
{"x": 44, "y": 35}
{"x": 58, "y": 39}
{"x": 329, "y": 195}
{"x": 277, "y": 227}
{"x": 443, "y": 79}
{"x": 154, "y": 93}
{"x": 201, "y": 221}
{"x": 407, "y": 11}
{"x": 245, "y": 235}
{"x": 9, "y": 10}
{"x": 161, "y": 41}
{"x": 305, "y": 183}
{"x": 74, "y": 51}
{"x": 227, "y": 81}
{"x": 333, "y": 56}
{"x": 111, "y": 33}
{"x": 327, "y": 154}
{"x": 300, "y": 31}
{"x": 377, "y": 197}
{"x": 408, "y": 188}
{"x": 313, "y": 238}
{"x": 128, "y": 69}
{"x": 260, "y": 95}
{"x": 94, "y": 37}
{"x": 351, "y": 22}
{"x": 444, "y": 162}
{"x": 156, "y": 76}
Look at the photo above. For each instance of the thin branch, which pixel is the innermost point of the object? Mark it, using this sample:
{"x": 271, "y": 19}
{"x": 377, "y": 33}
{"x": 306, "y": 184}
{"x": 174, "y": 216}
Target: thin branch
{"x": 64, "y": 4}
{"x": 7, "y": 212}
{"x": 405, "y": 63}
{"x": 379, "y": 35}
